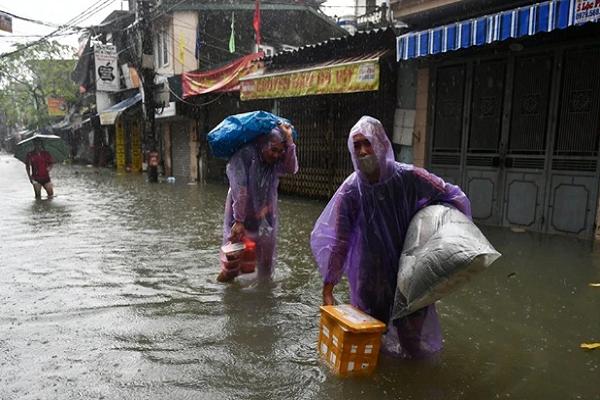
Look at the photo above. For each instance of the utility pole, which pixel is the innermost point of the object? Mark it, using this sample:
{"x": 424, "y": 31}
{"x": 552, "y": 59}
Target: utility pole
{"x": 148, "y": 74}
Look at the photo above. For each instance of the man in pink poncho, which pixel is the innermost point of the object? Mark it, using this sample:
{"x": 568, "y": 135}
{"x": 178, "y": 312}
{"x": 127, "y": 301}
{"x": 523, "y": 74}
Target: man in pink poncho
{"x": 362, "y": 230}
{"x": 251, "y": 205}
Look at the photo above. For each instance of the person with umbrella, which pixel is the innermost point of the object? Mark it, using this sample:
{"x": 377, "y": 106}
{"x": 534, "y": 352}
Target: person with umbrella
{"x": 38, "y": 164}
{"x": 251, "y": 206}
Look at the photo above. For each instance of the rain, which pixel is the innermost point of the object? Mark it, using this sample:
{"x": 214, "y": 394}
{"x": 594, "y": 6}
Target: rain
{"x": 109, "y": 288}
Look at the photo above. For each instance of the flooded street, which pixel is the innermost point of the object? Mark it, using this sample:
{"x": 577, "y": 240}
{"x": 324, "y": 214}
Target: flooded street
{"x": 108, "y": 291}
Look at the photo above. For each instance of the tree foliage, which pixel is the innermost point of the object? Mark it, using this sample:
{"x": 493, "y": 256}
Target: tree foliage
{"x": 29, "y": 76}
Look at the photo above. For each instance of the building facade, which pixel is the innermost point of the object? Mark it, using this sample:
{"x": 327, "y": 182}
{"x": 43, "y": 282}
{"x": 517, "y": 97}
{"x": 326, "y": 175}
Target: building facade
{"x": 507, "y": 106}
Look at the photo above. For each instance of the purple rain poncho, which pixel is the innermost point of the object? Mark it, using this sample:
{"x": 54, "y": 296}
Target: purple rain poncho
{"x": 361, "y": 233}
{"x": 252, "y": 196}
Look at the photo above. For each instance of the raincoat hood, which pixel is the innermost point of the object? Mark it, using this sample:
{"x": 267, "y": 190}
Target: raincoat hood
{"x": 272, "y": 137}
{"x": 373, "y": 130}
{"x": 361, "y": 232}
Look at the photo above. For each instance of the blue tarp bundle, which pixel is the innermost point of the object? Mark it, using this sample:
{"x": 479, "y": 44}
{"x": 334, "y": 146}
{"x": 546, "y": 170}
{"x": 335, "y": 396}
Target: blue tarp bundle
{"x": 237, "y": 130}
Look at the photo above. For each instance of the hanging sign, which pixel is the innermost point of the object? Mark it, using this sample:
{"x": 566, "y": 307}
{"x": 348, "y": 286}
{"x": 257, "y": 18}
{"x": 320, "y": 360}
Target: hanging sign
{"x": 136, "y": 147}
{"x": 56, "y": 106}
{"x": 107, "y": 73}
{"x": 586, "y": 10}
{"x": 120, "y": 145}
{"x": 346, "y": 78}
{"x": 5, "y": 23}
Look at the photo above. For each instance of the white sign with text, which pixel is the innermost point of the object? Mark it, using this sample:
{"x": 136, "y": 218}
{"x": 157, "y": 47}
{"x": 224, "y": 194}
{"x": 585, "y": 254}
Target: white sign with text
{"x": 586, "y": 10}
{"x": 107, "y": 73}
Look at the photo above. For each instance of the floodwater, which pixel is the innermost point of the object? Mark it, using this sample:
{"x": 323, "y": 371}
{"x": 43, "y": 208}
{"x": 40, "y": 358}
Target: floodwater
{"x": 108, "y": 291}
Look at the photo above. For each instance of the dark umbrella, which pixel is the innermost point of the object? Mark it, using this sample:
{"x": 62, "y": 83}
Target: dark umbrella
{"x": 55, "y": 145}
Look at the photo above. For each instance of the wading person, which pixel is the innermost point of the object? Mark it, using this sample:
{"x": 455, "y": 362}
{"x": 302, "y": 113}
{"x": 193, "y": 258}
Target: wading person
{"x": 362, "y": 229}
{"x": 251, "y": 205}
{"x": 38, "y": 164}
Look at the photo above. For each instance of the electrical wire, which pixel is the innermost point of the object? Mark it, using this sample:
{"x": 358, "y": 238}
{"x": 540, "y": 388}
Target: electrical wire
{"x": 204, "y": 33}
{"x": 35, "y": 21}
{"x": 90, "y": 11}
{"x": 87, "y": 13}
{"x": 172, "y": 55}
{"x": 194, "y": 104}
{"x": 226, "y": 15}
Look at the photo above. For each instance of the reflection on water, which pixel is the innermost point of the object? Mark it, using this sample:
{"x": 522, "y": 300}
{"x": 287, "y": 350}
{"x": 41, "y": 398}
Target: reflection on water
{"x": 109, "y": 291}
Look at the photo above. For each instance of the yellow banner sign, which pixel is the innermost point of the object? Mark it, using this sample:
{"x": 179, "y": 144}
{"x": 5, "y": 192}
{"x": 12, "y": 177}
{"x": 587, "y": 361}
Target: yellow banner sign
{"x": 136, "y": 147}
{"x": 120, "y": 145}
{"x": 56, "y": 106}
{"x": 346, "y": 78}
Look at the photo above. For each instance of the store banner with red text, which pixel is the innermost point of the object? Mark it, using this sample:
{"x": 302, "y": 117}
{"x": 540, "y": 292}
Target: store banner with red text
{"x": 224, "y": 79}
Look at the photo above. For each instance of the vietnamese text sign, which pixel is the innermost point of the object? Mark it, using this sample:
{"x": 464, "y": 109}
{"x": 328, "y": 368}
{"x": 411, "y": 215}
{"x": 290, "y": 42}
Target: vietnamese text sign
{"x": 57, "y": 106}
{"x": 346, "y": 78}
{"x": 107, "y": 73}
{"x": 5, "y": 23}
{"x": 120, "y": 145}
{"x": 136, "y": 147}
{"x": 586, "y": 10}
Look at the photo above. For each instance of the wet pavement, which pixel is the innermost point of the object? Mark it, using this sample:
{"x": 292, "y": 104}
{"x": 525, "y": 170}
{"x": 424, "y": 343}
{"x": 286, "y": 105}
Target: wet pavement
{"x": 108, "y": 291}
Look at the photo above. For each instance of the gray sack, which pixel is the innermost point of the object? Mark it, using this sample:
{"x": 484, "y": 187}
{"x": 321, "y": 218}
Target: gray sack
{"x": 443, "y": 250}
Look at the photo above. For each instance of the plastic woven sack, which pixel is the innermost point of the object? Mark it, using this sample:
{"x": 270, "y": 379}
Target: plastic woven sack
{"x": 237, "y": 130}
{"x": 442, "y": 251}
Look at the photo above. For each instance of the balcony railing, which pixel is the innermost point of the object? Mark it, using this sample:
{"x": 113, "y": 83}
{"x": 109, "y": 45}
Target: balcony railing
{"x": 379, "y": 17}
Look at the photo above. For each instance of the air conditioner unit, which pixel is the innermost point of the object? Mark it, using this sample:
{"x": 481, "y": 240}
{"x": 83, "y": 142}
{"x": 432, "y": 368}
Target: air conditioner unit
{"x": 162, "y": 94}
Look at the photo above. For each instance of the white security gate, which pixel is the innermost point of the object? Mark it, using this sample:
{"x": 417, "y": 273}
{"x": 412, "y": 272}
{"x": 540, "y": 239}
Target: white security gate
{"x": 520, "y": 135}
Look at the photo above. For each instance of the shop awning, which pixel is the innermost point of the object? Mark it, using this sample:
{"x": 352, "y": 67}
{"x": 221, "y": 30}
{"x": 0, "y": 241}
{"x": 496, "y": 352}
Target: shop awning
{"x": 523, "y": 21}
{"x": 110, "y": 115}
{"x": 347, "y": 75}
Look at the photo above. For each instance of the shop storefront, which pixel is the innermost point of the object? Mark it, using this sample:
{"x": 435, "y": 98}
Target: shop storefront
{"x": 324, "y": 99}
{"x": 513, "y": 113}
{"x": 123, "y": 122}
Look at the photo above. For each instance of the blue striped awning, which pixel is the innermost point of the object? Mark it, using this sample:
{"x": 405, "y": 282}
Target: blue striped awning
{"x": 523, "y": 21}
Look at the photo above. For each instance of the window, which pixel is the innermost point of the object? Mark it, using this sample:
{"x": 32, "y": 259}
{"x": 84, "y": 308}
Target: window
{"x": 165, "y": 47}
{"x": 157, "y": 42}
{"x": 161, "y": 48}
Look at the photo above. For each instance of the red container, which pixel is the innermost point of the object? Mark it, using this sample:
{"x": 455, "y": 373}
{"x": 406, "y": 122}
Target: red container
{"x": 248, "y": 259}
{"x": 231, "y": 256}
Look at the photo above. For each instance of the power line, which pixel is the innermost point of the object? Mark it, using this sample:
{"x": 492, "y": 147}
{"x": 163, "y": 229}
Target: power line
{"x": 15, "y": 38}
{"x": 87, "y": 13}
{"x": 35, "y": 21}
{"x": 25, "y": 47}
{"x": 185, "y": 48}
{"x": 194, "y": 104}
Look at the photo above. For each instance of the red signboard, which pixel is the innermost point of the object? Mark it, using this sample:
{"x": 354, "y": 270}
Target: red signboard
{"x": 57, "y": 106}
{"x": 224, "y": 79}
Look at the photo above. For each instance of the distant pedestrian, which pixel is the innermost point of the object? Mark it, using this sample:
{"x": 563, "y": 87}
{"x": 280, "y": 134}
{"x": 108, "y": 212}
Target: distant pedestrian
{"x": 38, "y": 165}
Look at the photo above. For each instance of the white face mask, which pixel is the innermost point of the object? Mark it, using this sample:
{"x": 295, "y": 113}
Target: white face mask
{"x": 368, "y": 163}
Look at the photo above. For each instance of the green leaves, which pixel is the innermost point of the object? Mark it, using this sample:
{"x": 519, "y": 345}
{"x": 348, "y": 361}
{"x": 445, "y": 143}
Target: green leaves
{"x": 31, "y": 75}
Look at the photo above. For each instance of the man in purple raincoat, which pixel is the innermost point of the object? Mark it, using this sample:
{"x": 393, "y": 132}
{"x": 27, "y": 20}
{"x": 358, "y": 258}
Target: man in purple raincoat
{"x": 251, "y": 205}
{"x": 362, "y": 230}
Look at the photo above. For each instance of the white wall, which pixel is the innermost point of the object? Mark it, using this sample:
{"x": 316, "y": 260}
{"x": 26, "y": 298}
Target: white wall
{"x": 184, "y": 28}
